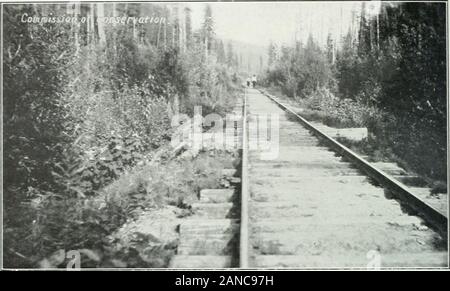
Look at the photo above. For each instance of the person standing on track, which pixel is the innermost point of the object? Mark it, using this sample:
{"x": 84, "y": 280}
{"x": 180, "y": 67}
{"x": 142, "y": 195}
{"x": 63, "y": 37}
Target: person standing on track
{"x": 254, "y": 81}
{"x": 248, "y": 82}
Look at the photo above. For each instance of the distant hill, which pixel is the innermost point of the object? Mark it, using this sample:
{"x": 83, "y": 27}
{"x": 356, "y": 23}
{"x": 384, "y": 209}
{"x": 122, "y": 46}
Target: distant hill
{"x": 249, "y": 56}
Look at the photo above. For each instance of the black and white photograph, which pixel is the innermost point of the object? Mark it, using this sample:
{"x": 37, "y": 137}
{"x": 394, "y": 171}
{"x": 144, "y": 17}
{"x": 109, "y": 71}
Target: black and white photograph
{"x": 224, "y": 136}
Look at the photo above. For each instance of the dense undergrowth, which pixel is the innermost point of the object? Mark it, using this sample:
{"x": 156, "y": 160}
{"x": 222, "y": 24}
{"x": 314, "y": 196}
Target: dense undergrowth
{"x": 393, "y": 84}
{"x": 83, "y": 107}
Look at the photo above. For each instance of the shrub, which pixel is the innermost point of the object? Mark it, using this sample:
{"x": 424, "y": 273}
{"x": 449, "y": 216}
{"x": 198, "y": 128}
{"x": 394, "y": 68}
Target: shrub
{"x": 64, "y": 222}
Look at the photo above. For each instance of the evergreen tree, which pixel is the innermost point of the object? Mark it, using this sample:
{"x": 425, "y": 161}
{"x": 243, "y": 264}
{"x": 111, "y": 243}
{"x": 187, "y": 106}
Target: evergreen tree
{"x": 330, "y": 49}
{"x": 347, "y": 69}
{"x": 188, "y": 20}
{"x": 364, "y": 34}
{"x": 272, "y": 54}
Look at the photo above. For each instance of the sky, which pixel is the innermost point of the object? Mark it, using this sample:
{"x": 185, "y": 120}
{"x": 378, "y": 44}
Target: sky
{"x": 281, "y": 22}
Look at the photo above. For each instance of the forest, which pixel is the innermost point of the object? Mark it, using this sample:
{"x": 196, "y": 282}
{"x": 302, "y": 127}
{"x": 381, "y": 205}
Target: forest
{"x": 388, "y": 74}
{"x": 86, "y": 102}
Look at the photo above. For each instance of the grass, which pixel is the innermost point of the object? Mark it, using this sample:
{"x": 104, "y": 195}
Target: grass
{"x": 326, "y": 119}
{"x": 382, "y": 153}
{"x": 64, "y": 224}
{"x": 175, "y": 182}
{"x": 340, "y": 118}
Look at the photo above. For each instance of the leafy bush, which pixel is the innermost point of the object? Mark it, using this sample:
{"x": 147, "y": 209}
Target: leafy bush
{"x": 210, "y": 85}
{"x": 34, "y": 78}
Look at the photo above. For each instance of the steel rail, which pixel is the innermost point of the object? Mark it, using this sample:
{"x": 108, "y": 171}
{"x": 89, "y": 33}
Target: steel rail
{"x": 400, "y": 191}
{"x": 243, "y": 239}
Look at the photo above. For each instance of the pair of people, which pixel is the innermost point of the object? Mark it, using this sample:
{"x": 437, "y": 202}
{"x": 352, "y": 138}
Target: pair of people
{"x": 251, "y": 81}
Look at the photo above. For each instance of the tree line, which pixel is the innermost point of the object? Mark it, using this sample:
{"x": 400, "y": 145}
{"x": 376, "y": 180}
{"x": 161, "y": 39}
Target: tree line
{"x": 388, "y": 75}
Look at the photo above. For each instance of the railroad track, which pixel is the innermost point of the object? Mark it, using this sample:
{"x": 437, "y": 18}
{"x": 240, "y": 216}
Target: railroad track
{"x": 316, "y": 205}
